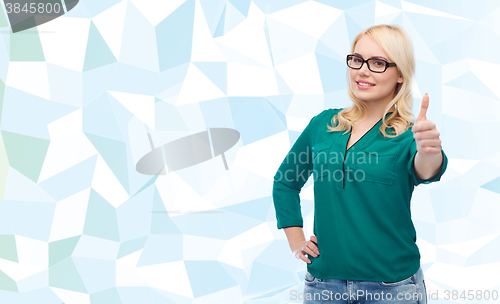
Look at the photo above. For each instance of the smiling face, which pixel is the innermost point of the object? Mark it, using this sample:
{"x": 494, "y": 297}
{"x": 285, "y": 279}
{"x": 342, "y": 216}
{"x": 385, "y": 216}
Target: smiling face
{"x": 369, "y": 86}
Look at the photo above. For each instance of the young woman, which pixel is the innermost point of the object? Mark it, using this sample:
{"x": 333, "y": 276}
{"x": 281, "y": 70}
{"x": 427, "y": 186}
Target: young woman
{"x": 365, "y": 160}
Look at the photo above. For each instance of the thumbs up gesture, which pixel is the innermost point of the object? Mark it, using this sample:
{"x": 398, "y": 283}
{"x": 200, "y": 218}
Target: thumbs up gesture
{"x": 425, "y": 133}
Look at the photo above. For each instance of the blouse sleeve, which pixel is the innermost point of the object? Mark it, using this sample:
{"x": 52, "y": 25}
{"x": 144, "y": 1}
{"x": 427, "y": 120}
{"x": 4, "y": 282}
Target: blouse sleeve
{"x": 411, "y": 166}
{"x": 291, "y": 176}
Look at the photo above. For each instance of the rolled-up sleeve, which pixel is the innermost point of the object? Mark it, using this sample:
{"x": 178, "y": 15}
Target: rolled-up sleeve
{"x": 291, "y": 176}
{"x": 411, "y": 166}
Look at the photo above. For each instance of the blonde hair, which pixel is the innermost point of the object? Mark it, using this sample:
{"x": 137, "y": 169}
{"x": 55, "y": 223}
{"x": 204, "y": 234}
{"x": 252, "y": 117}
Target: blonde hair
{"x": 397, "y": 44}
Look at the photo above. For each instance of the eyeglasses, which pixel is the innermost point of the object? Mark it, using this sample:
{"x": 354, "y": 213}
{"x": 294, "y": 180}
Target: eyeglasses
{"x": 376, "y": 65}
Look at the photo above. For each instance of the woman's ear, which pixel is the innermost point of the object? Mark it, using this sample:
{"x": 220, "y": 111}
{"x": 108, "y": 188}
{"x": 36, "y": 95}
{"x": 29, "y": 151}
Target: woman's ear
{"x": 400, "y": 78}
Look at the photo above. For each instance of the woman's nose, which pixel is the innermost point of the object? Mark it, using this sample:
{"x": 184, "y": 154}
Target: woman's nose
{"x": 364, "y": 70}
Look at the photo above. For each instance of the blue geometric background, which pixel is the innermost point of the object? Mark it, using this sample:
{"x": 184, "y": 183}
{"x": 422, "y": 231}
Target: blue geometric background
{"x": 79, "y": 94}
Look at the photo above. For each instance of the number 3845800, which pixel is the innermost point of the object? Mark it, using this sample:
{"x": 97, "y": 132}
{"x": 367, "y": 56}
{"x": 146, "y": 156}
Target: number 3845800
{"x": 471, "y": 295}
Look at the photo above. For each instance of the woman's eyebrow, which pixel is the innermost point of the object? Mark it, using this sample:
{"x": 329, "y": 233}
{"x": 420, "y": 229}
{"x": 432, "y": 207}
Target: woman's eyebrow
{"x": 381, "y": 57}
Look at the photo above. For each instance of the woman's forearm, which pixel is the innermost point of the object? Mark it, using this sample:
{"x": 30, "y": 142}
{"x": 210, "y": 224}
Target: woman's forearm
{"x": 427, "y": 166}
{"x": 294, "y": 235}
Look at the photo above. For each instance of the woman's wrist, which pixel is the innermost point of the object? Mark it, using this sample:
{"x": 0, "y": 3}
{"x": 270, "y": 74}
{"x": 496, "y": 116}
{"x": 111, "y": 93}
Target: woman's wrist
{"x": 295, "y": 236}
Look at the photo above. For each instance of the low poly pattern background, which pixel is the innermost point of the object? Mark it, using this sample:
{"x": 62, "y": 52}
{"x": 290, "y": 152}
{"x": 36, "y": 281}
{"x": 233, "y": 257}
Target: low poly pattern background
{"x": 80, "y": 94}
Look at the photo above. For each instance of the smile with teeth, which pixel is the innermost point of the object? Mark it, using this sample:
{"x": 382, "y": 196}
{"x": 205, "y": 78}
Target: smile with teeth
{"x": 365, "y": 84}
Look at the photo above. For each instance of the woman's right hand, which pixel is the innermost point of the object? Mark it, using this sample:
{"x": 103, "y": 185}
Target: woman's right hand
{"x": 306, "y": 247}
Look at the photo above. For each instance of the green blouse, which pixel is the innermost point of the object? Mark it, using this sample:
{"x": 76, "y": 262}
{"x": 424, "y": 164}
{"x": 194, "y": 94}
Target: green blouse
{"x": 362, "y": 217}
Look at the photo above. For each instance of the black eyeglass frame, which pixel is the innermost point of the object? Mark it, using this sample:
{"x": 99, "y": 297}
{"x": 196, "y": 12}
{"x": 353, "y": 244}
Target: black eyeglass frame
{"x": 387, "y": 64}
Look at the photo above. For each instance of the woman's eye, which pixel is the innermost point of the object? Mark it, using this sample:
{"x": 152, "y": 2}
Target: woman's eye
{"x": 379, "y": 63}
{"x": 357, "y": 60}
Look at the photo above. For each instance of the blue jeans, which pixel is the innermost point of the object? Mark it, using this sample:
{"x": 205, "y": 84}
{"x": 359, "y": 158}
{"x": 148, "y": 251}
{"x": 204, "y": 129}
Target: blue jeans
{"x": 408, "y": 291}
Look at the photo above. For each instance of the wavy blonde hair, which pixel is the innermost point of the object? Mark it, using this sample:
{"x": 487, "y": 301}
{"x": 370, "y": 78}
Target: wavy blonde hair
{"x": 397, "y": 44}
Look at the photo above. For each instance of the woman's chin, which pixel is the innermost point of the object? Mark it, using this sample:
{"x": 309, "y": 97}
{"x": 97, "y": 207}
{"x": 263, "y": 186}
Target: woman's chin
{"x": 364, "y": 96}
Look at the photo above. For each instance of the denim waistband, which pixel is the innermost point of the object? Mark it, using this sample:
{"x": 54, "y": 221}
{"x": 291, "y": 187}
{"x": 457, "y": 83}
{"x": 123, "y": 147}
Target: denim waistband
{"x": 419, "y": 275}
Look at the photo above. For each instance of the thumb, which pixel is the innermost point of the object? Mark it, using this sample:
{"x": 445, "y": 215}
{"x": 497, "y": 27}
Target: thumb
{"x": 423, "y": 108}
